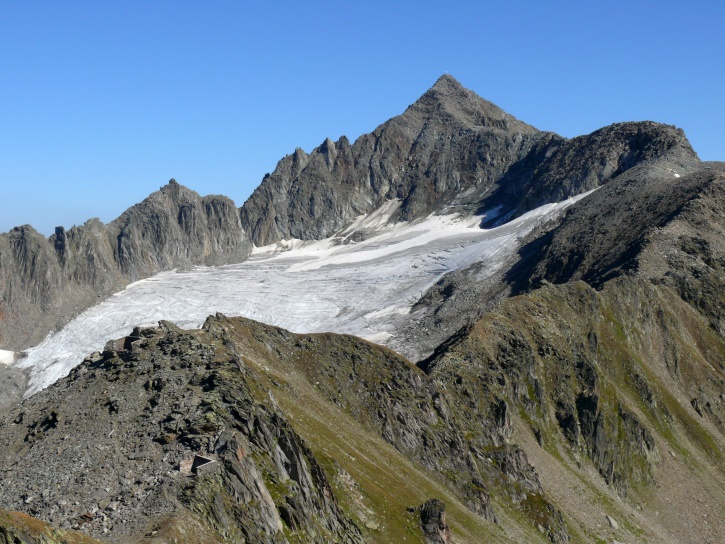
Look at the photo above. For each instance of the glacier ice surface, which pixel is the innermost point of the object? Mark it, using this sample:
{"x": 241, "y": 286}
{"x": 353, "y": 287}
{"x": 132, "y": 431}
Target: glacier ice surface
{"x": 365, "y": 288}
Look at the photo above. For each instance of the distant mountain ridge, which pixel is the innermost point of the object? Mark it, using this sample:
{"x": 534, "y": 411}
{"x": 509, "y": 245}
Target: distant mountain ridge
{"x": 450, "y": 150}
{"x": 45, "y": 282}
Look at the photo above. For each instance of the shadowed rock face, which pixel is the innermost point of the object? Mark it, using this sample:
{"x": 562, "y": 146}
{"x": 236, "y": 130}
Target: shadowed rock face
{"x": 555, "y": 169}
{"x": 614, "y": 231}
{"x": 45, "y": 282}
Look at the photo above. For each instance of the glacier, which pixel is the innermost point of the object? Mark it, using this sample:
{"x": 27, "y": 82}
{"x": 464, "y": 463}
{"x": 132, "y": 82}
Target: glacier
{"x": 364, "y": 288}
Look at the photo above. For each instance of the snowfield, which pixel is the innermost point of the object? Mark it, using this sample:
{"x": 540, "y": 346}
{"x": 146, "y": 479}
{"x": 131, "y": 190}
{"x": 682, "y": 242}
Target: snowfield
{"x": 6, "y": 357}
{"x": 365, "y": 288}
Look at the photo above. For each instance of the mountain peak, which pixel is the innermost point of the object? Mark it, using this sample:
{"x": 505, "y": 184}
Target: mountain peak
{"x": 449, "y": 97}
{"x": 447, "y": 89}
{"x": 447, "y": 83}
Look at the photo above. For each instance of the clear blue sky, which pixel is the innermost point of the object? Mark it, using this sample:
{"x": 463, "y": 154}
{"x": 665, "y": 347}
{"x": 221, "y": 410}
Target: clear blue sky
{"x": 103, "y": 102}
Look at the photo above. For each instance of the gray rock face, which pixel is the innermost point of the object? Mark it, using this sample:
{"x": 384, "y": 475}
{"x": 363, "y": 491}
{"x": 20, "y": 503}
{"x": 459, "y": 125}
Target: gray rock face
{"x": 175, "y": 227}
{"x": 555, "y": 169}
{"x": 451, "y": 149}
{"x": 433, "y": 522}
{"x": 45, "y": 282}
{"x": 13, "y": 383}
{"x": 448, "y": 141}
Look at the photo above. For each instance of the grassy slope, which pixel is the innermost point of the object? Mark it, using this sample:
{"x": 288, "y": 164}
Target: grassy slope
{"x": 374, "y": 482}
{"x": 18, "y": 528}
{"x": 650, "y": 353}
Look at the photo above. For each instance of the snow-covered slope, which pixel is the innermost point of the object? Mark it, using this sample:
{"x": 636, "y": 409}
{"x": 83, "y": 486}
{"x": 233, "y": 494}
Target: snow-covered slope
{"x": 364, "y": 288}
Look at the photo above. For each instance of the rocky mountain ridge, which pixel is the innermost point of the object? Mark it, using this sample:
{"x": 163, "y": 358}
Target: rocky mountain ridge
{"x": 45, "y": 282}
{"x": 568, "y": 376}
{"x": 451, "y": 150}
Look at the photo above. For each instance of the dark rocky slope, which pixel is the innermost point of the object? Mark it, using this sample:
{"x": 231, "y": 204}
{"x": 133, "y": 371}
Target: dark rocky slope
{"x": 609, "y": 233}
{"x": 45, "y": 282}
{"x": 556, "y": 169}
{"x": 613, "y": 231}
{"x": 625, "y": 380}
{"x": 106, "y": 451}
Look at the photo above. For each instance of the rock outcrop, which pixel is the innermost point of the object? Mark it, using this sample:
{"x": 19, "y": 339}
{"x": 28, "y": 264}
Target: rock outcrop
{"x": 45, "y": 282}
{"x": 433, "y": 522}
{"x": 174, "y": 436}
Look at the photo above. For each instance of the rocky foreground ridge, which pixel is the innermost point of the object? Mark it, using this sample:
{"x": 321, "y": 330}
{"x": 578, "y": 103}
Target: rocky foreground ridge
{"x": 449, "y": 151}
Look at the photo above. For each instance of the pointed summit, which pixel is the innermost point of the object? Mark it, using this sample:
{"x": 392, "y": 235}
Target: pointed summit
{"x": 449, "y": 98}
{"x": 447, "y": 83}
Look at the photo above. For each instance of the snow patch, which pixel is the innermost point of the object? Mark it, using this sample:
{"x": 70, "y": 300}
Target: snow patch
{"x": 389, "y": 310}
{"x": 7, "y": 357}
{"x": 375, "y": 220}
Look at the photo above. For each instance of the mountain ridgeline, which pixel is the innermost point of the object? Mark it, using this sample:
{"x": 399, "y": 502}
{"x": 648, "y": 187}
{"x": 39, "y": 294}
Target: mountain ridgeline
{"x": 450, "y": 150}
{"x": 45, "y": 282}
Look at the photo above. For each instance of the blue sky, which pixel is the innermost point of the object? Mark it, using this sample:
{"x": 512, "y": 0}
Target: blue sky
{"x": 103, "y": 102}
